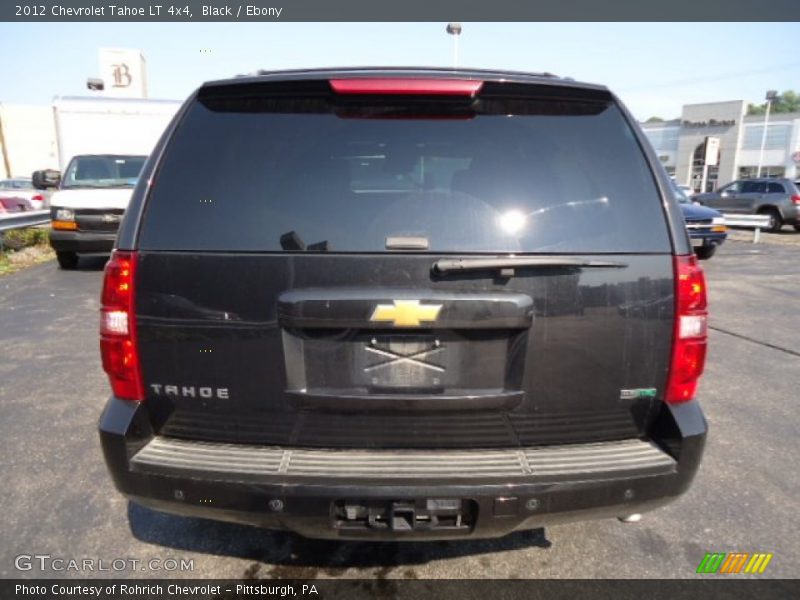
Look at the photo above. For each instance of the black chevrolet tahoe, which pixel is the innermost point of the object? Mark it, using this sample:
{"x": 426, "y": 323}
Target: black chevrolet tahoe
{"x": 401, "y": 304}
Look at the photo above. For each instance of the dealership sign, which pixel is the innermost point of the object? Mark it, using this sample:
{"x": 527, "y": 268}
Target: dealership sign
{"x": 123, "y": 73}
{"x": 712, "y": 151}
{"x": 709, "y": 123}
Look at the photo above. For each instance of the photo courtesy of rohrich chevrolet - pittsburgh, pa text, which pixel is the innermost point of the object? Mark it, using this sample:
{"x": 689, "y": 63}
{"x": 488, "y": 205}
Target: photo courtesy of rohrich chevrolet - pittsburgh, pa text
{"x": 346, "y": 299}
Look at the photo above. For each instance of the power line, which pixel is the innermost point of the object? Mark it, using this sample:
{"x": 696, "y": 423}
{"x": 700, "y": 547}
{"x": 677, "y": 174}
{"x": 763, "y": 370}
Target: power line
{"x": 709, "y": 79}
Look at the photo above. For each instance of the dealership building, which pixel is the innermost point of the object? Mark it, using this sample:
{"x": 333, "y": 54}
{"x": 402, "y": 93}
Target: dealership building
{"x": 681, "y": 144}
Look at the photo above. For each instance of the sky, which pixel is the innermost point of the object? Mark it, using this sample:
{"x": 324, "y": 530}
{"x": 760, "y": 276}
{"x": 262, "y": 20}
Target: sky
{"x": 655, "y": 68}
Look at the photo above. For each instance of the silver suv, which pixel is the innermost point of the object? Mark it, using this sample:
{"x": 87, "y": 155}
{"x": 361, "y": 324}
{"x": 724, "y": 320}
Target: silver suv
{"x": 778, "y": 198}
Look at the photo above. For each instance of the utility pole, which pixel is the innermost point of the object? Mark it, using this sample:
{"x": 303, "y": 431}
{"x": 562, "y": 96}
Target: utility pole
{"x": 771, "y": 96}
{"x": 454, "y": 29}
{"x": 3, "y": 146}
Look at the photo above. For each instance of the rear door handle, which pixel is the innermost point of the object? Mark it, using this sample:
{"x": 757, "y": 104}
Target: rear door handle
{"x": 387, "y": 309}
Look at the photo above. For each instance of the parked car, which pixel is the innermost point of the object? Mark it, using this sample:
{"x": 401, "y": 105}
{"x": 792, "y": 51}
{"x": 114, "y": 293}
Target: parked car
{"x": 21, "y": 187}
{"x": 359, "y": 304}
{"x": 777, "y": 198}
{"x": 13, "y": 204}
{"x": 705, "y": 225}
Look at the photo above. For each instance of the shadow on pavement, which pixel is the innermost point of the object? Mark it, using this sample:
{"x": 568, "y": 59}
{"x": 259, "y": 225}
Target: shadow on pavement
{"x": 92, "y": 262}
{"x": 279, "y": 554}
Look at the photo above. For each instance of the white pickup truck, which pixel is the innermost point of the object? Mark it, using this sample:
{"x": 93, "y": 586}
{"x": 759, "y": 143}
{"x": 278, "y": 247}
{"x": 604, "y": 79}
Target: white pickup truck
{"x": 102, "y": 145}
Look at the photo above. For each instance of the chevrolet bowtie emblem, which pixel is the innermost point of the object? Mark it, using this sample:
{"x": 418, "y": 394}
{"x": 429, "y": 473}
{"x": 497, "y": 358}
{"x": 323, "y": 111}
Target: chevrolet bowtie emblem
{"x": 405, "y": 313}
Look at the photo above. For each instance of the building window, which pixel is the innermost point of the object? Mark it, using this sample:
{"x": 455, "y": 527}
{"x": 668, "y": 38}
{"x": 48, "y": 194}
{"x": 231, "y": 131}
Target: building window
{"x": 750, "y": 172}
{"x": 664, "y": 139}
{"x": 778, "y": 135}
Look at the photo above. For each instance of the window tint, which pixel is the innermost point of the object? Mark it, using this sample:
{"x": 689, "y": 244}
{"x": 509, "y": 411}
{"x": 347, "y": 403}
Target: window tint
{"x": 515, "y": 176}
{"x": 775, "y": 188}
{"x": 754, "y": 187}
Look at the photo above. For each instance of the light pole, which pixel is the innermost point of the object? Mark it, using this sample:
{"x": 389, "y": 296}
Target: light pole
{"x": 454, "y": 29}
{"x": 771, "y": 96}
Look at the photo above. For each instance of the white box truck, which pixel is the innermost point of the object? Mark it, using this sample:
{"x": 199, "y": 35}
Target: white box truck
{"x": 102, "y": 146}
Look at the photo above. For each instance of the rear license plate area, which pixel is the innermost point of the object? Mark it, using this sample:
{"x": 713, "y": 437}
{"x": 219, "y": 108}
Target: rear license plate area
{"x": 404, "y": 363}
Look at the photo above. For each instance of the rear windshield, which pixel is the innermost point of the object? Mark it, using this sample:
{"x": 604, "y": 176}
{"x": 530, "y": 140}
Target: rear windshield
{"x": 307, "y": 175}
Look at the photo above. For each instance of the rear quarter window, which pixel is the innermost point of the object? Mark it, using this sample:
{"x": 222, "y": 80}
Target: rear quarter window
{"x": 754, "y": 187}
{"x": 534, "y": 176}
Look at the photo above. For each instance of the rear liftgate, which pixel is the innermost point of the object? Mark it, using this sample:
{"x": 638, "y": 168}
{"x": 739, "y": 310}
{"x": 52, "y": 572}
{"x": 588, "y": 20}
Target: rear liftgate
{"x": 382, "y": 350}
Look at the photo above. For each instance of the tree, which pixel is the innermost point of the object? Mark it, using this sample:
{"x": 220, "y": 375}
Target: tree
{"x": 788, "y": 101}
{"x": 655, "y": 120}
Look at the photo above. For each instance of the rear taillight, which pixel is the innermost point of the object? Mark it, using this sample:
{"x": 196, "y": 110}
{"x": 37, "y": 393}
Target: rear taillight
{"x": 118, "y": 328}
{"x": 796, "y": 199}
{"x": 691, "y": 330}
{"x": 38, "y": 198}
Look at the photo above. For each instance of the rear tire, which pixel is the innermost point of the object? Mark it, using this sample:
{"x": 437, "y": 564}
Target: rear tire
{"x": 67, "y": 260}
{"x": 797, "y": 227}
{"x": 775, "y": 219}
{"x": 705, "y": 252}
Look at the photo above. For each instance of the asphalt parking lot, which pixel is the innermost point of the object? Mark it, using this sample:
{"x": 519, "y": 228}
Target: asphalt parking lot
{"x": 57, "y": 498}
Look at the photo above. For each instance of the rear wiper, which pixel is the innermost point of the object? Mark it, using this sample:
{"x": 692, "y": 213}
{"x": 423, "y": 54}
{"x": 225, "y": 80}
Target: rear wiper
{"x": 507, "y": 265}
